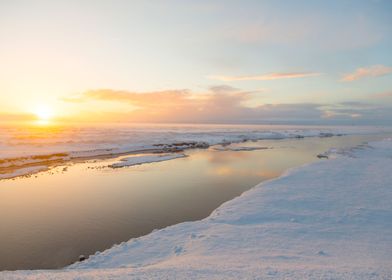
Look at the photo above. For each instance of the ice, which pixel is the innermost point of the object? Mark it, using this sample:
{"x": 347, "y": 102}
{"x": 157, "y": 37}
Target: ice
{"x": 23, "y": 171}
{"x": 135, "y": 160}
{"x": 239, "y": 148}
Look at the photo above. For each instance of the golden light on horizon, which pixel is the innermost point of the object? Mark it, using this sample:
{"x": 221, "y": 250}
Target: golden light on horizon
{"x": 43, "y": 113}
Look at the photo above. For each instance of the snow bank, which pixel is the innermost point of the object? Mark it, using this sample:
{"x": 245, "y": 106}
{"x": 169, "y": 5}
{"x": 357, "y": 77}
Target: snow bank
{"x": 328, "y": 220}
{"x": 135, "y": 160}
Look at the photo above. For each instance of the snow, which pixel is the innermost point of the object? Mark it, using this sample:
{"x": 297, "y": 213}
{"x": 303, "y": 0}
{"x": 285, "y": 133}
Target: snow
{"x": 328, "y": 220}
{"x": 135, "y": 160}
{"x": 23, "y": 172}
{"x": 238, "y": 148}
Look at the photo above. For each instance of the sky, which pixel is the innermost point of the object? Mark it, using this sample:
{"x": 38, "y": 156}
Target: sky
{"x": 316, "y": 62}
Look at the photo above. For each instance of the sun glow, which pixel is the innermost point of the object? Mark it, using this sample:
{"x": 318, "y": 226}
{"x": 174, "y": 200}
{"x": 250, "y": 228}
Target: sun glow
{"x": 43, "y": 113}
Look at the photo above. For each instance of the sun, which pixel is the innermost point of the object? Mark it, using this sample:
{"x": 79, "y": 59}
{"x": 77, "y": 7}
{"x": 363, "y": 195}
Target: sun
{"x": 43, "y": 113}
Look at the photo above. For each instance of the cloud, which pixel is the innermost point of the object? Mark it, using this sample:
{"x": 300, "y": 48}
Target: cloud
{"x": 15, "y": 117}
{"x": 364, "y": 72}
{"x": 224, "y": 104}
{"x": 387, "y": 94}
{"x": 223, "y": 89}
{"x": 303, "y": 31}
{"x": 158, "y": 98}
{"x": 336, "y": 114}
{"x": 220, "y": 104}
{"x": 273, "y": 32}
{"x": 265, "y": 77}
{"x": 357, "y": 112}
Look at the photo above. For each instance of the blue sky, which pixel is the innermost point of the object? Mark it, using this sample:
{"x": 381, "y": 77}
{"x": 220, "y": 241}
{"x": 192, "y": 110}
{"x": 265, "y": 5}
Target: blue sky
{"x": 333, "y": 56}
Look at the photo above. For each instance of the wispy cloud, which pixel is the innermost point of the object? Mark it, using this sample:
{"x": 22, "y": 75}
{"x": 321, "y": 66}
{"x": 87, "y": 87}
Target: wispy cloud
{"x": 224, "y": 104}
{"x": 357, "y": 111}
{"x": 342, "y": 33}
{"x": 334, "y": 114}
{"x": 382, "y": 95}
{"x": 364, "y": 72}
{"x": 220, "y": 104}
{"x": 145, "y": 99}
{"x": 15, "y": 117}
{"x": 264, "y": 77}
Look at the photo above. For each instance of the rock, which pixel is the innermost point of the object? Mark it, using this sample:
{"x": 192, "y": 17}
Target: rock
{"x": 321, "y": 253}
{"x": 202, "y": 145}
{"x": 326, "y": 134}
{"x": 82, "y": 258}
{"x": 322, "y": 156}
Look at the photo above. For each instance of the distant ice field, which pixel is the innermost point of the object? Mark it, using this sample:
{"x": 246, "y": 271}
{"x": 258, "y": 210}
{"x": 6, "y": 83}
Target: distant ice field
{"x": 22, "y": 148}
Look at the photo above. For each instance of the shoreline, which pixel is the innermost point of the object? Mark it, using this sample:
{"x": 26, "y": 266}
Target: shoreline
{"x": 62, "y": 145}
{"x": 15, "y": 165}
{"x": 187, "y": 244}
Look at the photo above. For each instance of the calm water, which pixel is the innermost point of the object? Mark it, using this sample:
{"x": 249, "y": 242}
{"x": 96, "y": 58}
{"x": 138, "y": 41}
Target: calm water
{"x": 48, "y": 220}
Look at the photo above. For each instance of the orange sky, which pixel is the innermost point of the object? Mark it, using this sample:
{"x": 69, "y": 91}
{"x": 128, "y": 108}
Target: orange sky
{"x": 201, "y": 61}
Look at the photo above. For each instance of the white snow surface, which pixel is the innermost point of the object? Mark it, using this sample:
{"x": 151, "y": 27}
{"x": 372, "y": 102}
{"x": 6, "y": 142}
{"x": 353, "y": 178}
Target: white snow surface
{"x": 328, "y": 220}
{"x": 23, "y": 171}
{"x": 239, "y": 148}
{"x": 141, "y": 159}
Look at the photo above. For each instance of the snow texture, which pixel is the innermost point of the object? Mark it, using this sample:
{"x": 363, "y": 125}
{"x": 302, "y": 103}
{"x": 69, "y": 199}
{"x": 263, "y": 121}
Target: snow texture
{"x": 136, "y": 160}
{"x": 328, "y": 220}
{"x": 23, "y": 171}
{"x": 238, "y": 148}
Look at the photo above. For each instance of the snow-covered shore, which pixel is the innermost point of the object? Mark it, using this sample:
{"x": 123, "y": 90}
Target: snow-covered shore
{"x": 328, "y": 220}
{"x": 22, "y": 149}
